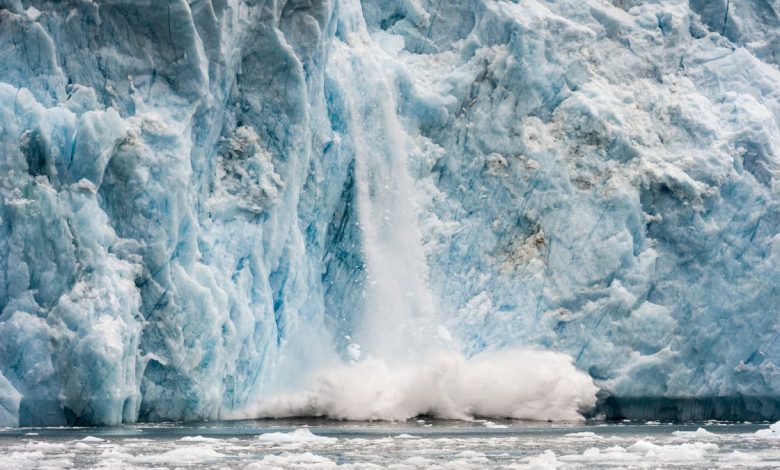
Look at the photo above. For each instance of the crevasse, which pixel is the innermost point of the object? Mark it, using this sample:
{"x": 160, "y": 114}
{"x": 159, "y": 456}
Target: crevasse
{"x": 206, "y": 203}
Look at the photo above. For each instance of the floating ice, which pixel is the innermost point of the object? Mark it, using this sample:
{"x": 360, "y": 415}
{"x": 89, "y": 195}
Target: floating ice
{"x": 298, "y": 436}
{"x": 584, "y": 435}
{"x": 290, "y": 460}
{"x": 492, "y": 425}
{"x": 182, "y": 455}
{"x": 773, "y": 431}
{"x": 361, "y": 448}
{"x": 739, "y": 458}
{"x": 545, "y": 461}
{"x": 200, "y": 439}
{"x": 674, "y": 453}
{"x": 699, "y": 433}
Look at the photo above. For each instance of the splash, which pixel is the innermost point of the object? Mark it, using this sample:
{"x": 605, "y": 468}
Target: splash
{"x": 512, "y": 383}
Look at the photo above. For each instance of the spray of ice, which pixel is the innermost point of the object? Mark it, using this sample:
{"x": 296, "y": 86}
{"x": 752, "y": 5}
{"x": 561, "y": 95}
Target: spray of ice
{"x": 511, "y": 383}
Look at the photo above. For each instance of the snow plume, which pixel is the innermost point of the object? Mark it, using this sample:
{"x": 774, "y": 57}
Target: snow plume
{"x": 511, "y": 383}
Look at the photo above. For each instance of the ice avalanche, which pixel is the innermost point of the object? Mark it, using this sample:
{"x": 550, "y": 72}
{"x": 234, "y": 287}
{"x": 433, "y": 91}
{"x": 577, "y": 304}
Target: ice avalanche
{"x": 376, "y": 209}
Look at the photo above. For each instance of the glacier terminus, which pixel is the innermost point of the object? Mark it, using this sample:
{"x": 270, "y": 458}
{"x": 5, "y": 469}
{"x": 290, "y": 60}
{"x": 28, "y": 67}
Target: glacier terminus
{"x": 376, "y": 209}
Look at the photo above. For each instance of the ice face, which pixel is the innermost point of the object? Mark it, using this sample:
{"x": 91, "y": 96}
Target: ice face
{"x": 157, "y": 264}
{"x": 208, "y": 202}
{"x": 598, "y": 186}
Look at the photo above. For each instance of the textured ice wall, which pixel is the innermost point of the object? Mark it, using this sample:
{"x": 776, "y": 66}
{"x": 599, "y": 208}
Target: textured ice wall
{"x": 161, "y": 254}
{"x": 602, "y": 181}
{"x": 179, "y": 192}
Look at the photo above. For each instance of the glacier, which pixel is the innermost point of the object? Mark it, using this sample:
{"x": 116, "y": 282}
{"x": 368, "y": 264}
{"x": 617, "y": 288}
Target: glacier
{"x": 207, "y": 202}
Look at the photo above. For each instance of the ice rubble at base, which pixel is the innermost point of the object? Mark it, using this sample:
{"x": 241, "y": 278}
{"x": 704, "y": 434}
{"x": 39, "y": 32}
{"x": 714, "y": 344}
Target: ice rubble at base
{"x": 197, "y": 197}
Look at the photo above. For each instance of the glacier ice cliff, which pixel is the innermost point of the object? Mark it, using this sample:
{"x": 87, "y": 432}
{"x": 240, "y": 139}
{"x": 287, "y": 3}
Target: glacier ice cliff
{"x": 205, "y": 201}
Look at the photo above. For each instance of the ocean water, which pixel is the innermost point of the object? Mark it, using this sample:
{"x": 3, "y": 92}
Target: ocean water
{"x": 416, "y": 444}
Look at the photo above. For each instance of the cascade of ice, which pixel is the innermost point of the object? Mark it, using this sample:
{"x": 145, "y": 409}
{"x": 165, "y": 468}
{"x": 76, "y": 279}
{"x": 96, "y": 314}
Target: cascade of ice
{"x": 400, "y": 311}
{"x": 410, "y": 365}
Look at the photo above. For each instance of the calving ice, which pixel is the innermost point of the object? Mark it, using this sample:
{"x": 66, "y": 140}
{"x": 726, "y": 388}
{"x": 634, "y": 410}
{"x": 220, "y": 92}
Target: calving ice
{"x": 374, "y": 210}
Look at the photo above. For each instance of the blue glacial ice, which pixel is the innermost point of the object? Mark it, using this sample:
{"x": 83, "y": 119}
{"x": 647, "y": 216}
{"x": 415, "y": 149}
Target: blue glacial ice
{"x": 206, "y": 203}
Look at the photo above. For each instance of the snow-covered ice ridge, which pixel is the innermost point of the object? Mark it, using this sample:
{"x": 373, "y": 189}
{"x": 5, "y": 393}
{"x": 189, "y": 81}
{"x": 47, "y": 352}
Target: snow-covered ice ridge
{"x": 203, "y": 201}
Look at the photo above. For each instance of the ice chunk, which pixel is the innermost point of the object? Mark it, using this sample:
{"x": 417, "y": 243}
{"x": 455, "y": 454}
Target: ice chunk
{"x": 739, "y": 458}
{"x": 199, "y": 439}
{"x": 682, "y": 452}
{"x": 584, "y": 435}
{"x": 298, "y": 436}
{"x": 182, "y": 455}
{"x": 773, "y": 431}
{"x": 544, "y": 461}
{"x": 699, "y": 433}
{"x": 290, "y": 460}
{"x": 492, "y": 425}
